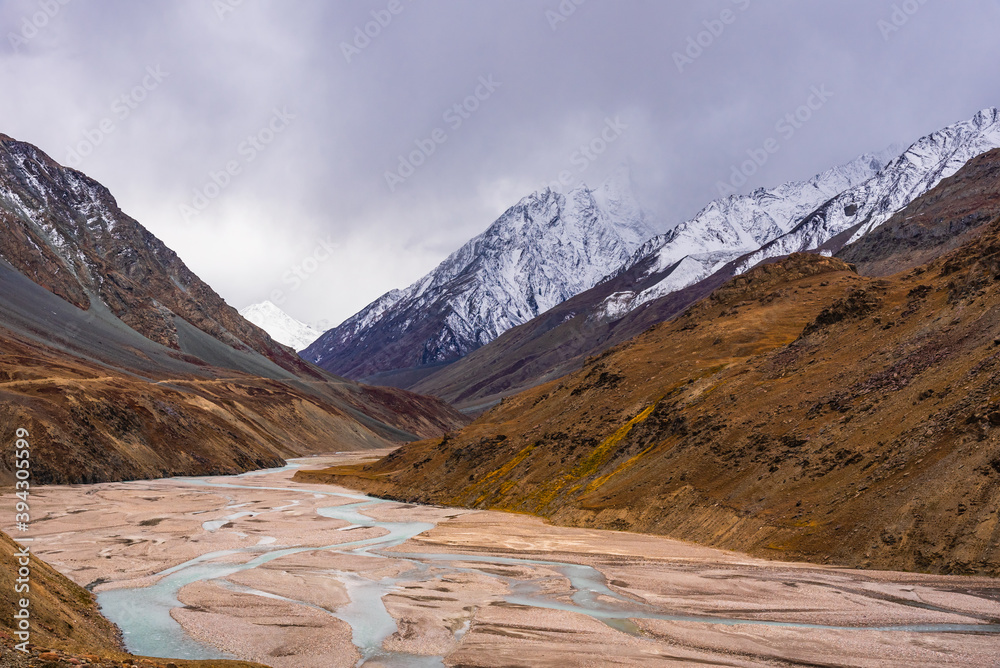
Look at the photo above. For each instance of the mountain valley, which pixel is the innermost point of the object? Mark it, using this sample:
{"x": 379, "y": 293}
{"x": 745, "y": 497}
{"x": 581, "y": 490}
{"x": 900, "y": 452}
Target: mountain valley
{"x": 838, "y": 406}
{"x": 801, "y": 411}
{"x": 121, "y": 363}
{"x": 673, "y": 270}
{"x": 545, "y": 334}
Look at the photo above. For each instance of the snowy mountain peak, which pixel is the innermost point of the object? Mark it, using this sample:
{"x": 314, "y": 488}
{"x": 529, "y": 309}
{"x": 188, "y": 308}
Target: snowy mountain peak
{"x": 858, "y": 210}
{"x": 543, "y": 250}
{"x": 551, "y": 246}
{"x": 730, "y": 227}
{"x": 616, "y": 197}
{"x": 986, "y": 116}
{"x": 282, "y": 327}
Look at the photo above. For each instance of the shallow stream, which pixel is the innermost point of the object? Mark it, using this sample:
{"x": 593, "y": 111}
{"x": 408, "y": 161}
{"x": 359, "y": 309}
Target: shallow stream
{"x": 143, "y": 614}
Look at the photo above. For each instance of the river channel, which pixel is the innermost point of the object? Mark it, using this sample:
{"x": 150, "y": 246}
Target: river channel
{"x": 416, "y": 586}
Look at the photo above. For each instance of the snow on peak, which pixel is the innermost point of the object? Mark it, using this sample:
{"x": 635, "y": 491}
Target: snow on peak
{"x": 730, "y": 227}
{"x": 543, "y": 250}
{"x": 551, "y": 246}
{"x": 615, "y": 196}
{"x": 282, "y": 327}
{"x": 867, "y": 205}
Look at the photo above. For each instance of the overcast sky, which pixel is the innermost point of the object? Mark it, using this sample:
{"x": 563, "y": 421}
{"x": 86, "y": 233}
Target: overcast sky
{"x": 152, "y": 98}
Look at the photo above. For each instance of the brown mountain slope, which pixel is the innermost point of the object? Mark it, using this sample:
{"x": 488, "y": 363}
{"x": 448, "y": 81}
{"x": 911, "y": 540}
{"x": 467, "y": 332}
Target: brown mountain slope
{"x": 124, "y": 364}
{"x": 554, "y": 343}
{"x": 61, "y": 613}
{"x": 104, "y": 403}
{"x": 801, "y": 411}
{"x": 65, "y": 231}
{"x": 93, "y": 424}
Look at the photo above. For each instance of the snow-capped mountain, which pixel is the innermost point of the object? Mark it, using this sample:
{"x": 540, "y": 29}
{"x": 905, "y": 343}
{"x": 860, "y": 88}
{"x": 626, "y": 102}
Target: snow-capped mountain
{"x": 282, "y": 327}
{"x": 674, "y": 270}
{"x": 730, "y": 227}
{"x": 550, "y": 248}
{"x": 543, "y": 250}
{"x": 857, "y": 211}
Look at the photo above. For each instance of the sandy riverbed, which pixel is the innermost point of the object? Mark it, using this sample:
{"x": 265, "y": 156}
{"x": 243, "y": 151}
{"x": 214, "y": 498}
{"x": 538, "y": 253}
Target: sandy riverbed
{"x": 281, "y": 612}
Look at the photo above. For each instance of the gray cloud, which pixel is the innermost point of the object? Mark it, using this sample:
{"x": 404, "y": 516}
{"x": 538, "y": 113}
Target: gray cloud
{"x": 310, "y": 200}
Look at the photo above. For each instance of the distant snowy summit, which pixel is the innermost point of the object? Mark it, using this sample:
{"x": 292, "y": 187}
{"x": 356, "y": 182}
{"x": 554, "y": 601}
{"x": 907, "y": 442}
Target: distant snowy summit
{"x": 543, "y": 250}
{"x": 857, "y": 211}
{"x": 731, "y": 227}
{"x": 282, "y": 327}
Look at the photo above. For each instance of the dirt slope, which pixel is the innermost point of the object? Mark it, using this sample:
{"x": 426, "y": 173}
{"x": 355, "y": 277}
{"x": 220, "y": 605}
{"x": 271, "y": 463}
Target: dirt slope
{"x": 802, "y": 411}
{"x": 552, "y": 344}
{"x": 62, "y": 613}
{"x": 92, "y": 423}
{"x": 105, "y": 403}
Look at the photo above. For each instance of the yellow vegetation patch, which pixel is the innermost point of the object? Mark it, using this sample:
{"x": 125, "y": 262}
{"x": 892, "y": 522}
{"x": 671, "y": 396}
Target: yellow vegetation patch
{"x": 509, "y": 466}
{"x": 549, "y": 491}
{"x": 600, "y": 454}
{"x": 498, "y": 473}
{"x": 597, "y": 482}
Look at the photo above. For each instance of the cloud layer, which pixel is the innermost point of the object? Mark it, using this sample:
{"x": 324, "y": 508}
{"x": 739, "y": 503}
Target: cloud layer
{"x": 327, "y": 152}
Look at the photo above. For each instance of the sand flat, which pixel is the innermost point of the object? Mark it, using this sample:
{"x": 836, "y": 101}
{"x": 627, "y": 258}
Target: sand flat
{"x": 484, "y": 588}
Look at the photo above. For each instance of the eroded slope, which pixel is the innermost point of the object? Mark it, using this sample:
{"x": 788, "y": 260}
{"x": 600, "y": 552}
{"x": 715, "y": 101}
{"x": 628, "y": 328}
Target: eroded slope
{"x": 801, "y": 411}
